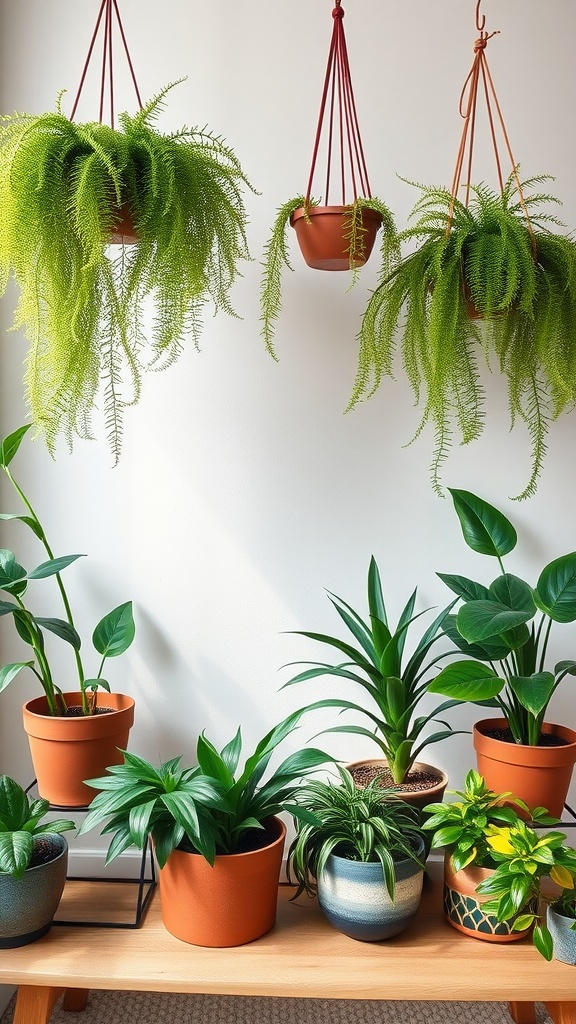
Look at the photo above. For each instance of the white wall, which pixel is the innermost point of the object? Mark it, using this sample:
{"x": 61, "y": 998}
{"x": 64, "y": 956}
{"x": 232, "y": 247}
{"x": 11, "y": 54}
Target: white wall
{"x": 243, "y": 491}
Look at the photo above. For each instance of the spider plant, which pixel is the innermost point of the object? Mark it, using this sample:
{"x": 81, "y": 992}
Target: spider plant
{"x": 482, "y": 283}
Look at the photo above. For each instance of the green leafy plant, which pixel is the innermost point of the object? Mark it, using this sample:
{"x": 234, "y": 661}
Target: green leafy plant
{"x": 504, "y": 628}
{"x": 64, "y": 188}
{"x": 21, "y": 826}
{"x": 208, "y": 808}
{"x": 519, "y": 276}
{"x": 276, "y": 255}
{"x": 479, "y": 831}
{"x": 363, "y": 825}
{"x": 112, "y": 636}
{"x": 394, "y": 682}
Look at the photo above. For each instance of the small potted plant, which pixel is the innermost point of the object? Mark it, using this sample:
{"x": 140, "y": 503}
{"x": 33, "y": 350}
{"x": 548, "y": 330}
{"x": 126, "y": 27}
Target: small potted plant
{"x": 96, "y": 720}
{"x": 495, "y": 863}
{"x": 504, "y": 628}
{"x": 561, "y": 926}
{"x": 394, "y": 683}
{"x": 493, "y": 279}
{"x": 362, "y": 854}
{"x": 33, "y": 863}
{"x": 215, "y": 831}
{"x": 352, "y": 233}
{"x": 68, "y": 190}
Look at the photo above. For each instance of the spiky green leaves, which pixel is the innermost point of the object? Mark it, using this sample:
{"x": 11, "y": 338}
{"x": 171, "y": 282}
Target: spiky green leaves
{"x": 521, "y": 279}
{"x": 62, "y": 189}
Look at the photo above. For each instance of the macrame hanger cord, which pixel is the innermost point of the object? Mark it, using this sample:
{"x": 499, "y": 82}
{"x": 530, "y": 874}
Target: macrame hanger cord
{"x": 467, "y": 110}
{"x": 338, "y": 92}
{"x": 108, "y": 8}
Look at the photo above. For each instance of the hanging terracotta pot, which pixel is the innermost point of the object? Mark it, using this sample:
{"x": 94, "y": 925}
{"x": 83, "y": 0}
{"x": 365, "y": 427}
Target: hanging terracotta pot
{"x": 538, "y": 775}
{"x": 124, "y": 232}
{"x": 324, "y": 236}
{"x": 67, "y": 750}
{"x": 228, "y": 904}
{"x": 432, "y": 792}
{"x": 463, "y": 906}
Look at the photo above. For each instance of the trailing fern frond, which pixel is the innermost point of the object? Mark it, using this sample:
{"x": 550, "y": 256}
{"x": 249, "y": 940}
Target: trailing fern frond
{"x": 64, "y": 188}
{"x": 482, "y": 278}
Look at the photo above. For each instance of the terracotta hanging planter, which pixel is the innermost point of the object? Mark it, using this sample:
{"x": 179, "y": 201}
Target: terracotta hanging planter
{"x": 228, "y": 904}
{"x": 124, "y": 232}
{"x": 67, "y": 750}
{"x": 538, "y": 775}
{"x": 463, "y": 906}
{"x": 408, "y": 791}
{"x": 323, "y": 235}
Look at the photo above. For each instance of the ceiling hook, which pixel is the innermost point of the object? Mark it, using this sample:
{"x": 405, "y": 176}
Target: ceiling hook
{"x": 480, "y": 24}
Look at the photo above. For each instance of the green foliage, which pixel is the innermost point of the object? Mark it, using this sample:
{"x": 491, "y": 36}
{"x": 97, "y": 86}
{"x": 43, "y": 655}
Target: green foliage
{"x": 363, "y": 825}
{"x": 393, "y": 682}
{"x": 522, "y": 283}
{"x": 63, "y": 187}
{"x": 276, "y": 255}
{"x": 207, "y": 808}
{"x": 504, "y": 628}
{"x": 112, "y": 636}
{"x": 20, "y": 825}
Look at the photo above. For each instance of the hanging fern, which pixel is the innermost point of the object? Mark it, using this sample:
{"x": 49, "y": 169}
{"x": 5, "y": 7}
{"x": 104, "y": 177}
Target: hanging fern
{"x": 63, "y": 187}
{"x": 521, "y": 281}
{"x": 276, "y": 254}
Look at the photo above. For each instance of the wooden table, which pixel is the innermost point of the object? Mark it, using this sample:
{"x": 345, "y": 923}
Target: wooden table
{"x": 302, "y": 956}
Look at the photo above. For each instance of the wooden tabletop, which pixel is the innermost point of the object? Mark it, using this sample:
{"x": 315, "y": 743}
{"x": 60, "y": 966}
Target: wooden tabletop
{"x": 302, "y": 956}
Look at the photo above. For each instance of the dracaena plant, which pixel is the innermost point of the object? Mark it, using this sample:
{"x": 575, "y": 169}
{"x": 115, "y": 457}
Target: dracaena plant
{"x": 504, "y": 627}
{"x": 207, "y": 808}
{"x": 111, "y": 637}
{"x": 21, "y": 825}
{"x": 370, "y": 824}
{"x": 393, "y": 681}
{"x": 477, "y": 830}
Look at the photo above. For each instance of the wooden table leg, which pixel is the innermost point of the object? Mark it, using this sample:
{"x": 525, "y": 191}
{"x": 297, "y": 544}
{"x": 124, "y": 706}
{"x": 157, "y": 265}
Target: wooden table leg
{"x": 75, "y": 999}
{"x": 34, "y": 1004}
{"x": 522, "y": 1013}
{"x": 562, "y": 1013}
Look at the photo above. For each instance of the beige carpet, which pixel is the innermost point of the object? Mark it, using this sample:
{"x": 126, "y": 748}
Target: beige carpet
{"x": 157, "y": 1008}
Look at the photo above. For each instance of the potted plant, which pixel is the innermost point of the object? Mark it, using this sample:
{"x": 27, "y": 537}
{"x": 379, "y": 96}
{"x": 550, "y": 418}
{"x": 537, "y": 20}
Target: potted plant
{"x": 87, "y": 725}
{"x": 66, "y": 191}
{"x": 361, "y": 853}
{"x": 394, "y": 683}
{"x": 561, "y": 927}
{"x": 493, "y": 280}
{"x": 214, "y": 828}
{"x": 351, "y": 233}
{"x": 504, "y": 628}
{"x": 33, "y": 862}
{"x": 495, "y": 863}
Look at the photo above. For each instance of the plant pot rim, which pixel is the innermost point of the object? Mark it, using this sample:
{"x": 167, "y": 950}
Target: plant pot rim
{"x": 316, "y": 211}
{"x": 562, "y": 917}
{"x": 373, "y": 864}
{"x": 34, "y": 707}
{"x": 440, "y": 774}
{"x": 273, "y": 818}
{"x": 62, "y": 842}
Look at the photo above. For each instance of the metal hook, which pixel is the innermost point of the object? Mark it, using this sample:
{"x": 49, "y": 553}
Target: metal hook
{"x": 480, "y": 24}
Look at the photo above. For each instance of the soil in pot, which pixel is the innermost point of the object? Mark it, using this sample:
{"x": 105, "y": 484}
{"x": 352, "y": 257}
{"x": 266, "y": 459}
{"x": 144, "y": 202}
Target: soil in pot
{"x": 423, "y": 785}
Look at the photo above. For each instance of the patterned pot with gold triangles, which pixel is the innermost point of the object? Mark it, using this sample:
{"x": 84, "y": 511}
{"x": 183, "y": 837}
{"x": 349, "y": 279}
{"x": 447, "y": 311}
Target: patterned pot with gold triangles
{"x": 463, "y": 906}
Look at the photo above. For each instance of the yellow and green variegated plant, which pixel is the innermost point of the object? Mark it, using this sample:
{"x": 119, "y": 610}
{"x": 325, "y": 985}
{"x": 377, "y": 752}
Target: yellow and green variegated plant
{"x": 64, "y": 188}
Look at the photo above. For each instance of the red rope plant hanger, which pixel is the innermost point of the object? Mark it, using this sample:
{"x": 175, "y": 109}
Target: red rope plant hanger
{"x": 108, "y": 9}
{"x": 346, "y": 160}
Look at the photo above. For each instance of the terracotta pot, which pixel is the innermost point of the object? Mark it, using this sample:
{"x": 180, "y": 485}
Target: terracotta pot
{"x": 65, "y": 751}
{"x": 28, "y": 904}
{"x": 322, "y": 237}
{"x": 226, "y": 905}
{"x": 463, "y": 906}
{"x": 354, "y": 897}
{"x": 420, "y": 797}
{"x": 538, "y": 775}
{"x": 124, "y": 232}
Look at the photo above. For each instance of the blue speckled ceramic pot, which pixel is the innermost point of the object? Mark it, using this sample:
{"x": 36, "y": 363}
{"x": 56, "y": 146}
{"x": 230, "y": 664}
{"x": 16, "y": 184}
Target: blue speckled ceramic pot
{"x": 354, "y": 897}
{"x": 563, "y": 937}
{"x": 28, "y": 904}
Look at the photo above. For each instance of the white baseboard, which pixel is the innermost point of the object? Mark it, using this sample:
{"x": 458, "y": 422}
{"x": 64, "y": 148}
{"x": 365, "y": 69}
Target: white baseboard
{"x": 89, "y": 863}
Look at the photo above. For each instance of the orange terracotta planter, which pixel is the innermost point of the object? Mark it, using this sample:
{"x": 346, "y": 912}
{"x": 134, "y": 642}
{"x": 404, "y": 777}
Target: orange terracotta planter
{"x": 417, "y": 798}
{"x": 229, "y": 904}
{"x": 463, "y": 906}
{"x": 322, "y": 237}
{"x": 65, "y": 751}
{"x": 124, "y": 232}
{"x": 538, "y": 775}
